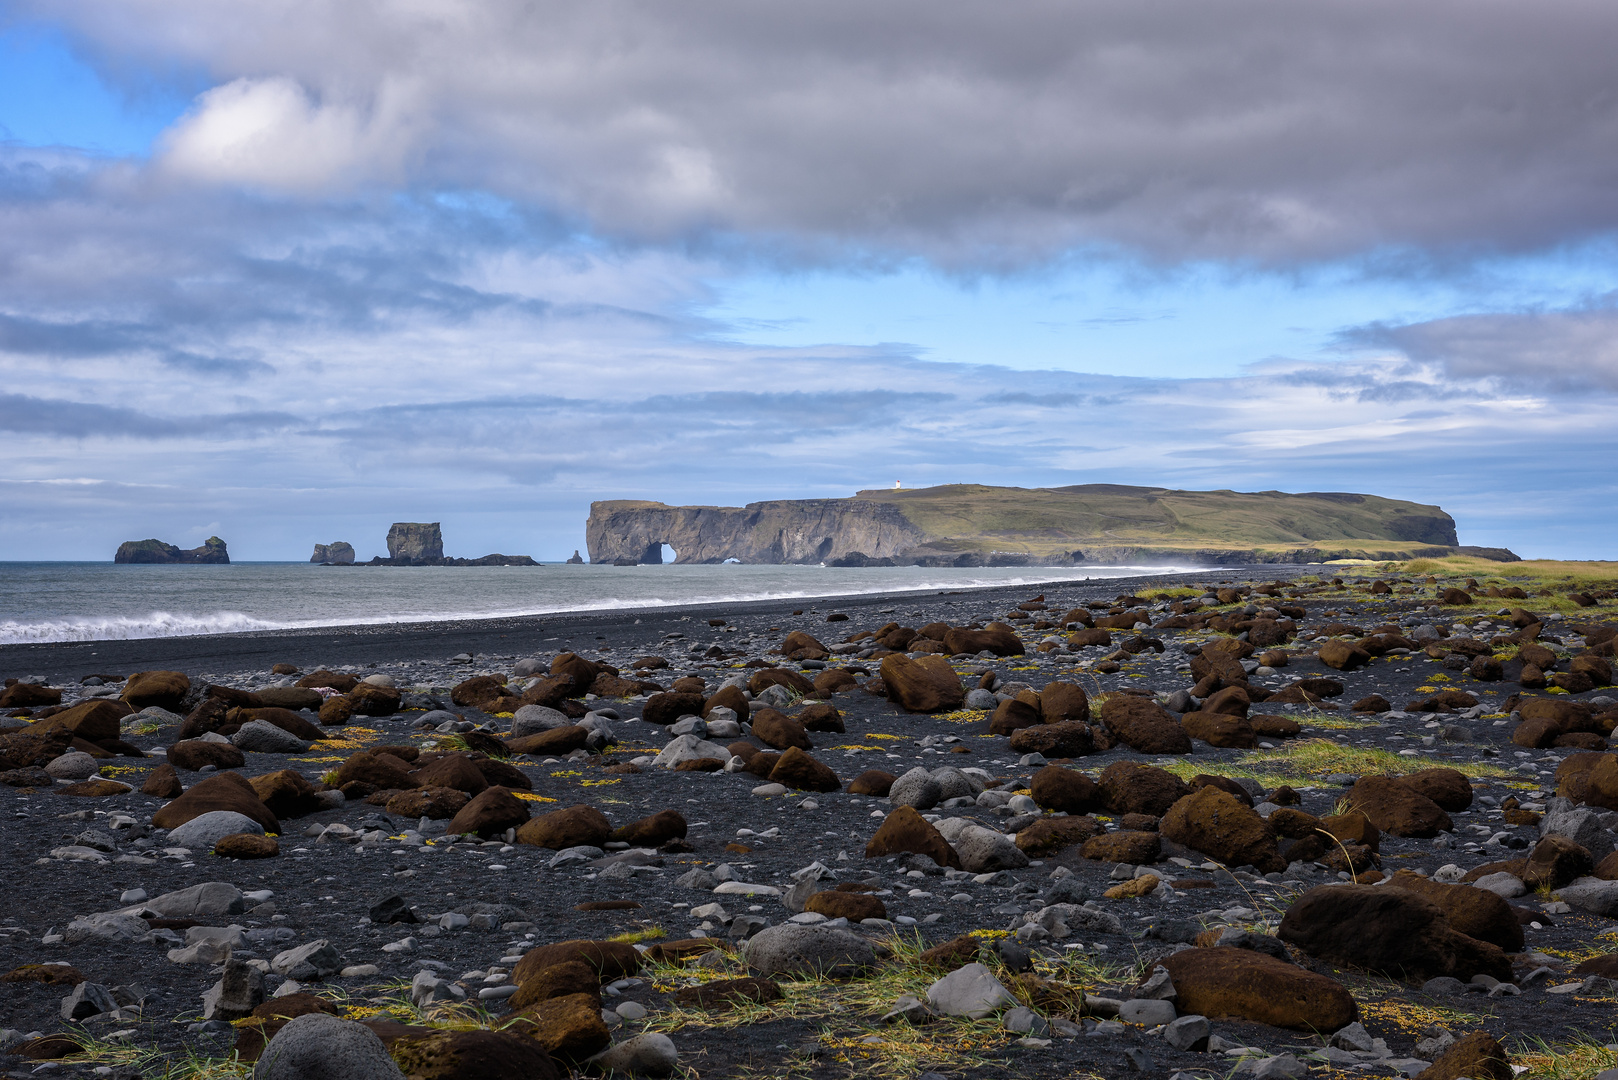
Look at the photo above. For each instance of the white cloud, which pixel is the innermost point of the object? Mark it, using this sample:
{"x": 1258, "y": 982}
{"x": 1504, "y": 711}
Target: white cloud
{"x": 270, "y": 133}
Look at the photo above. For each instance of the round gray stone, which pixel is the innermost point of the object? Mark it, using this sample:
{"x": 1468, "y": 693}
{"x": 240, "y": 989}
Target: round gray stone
{"x": 533, "y": 719}
{"x": 73, "y": 765}
{"x": 263, "y": 737}
{"x": 318, "y": 1046}
{"x": 791, "y": 949}
{"x": 201, "y": 833}
{"x": 916, "y": 788}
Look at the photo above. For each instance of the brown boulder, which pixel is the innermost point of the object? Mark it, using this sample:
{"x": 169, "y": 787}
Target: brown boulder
{"x": 223, "y": 791}
{"x": 576, "y": 826}
{"x": 1049, "y": 835}
{"x": 479, "y": 690}
{"x": 1143, "y": 725}
{"x": 1343, "y": 655}
{"x": 329, "y": 680}
{"x": 1231, "y": 701}
{"x": 1069, "y": 790}
{"x": 1216, "y": 823}
{"x": 368, "y": 699}
{"x": 728, "y": 697}
{"x": 1353, "y": 828}
{"x": 557, "y": 980}
{"x": 1592, "y": 667}
{"x": 286, "y": 793}
{"x": 165, "y": 689}
{"x": 1393, "y": 806}
{"x": 1013, "y": 715}
{"x": 94, "y": 721}
{"x": 764, "y": 678}
{"x": 665, "y": 709}
{"x": 802, "y": 646}
{"x": 1089, "y": 638}
{"x": 1068, "y": 739}
{"x": 193, "y": 755}
{"x": 926, "y": 684}
{"x": 1554, "y": 862}
{"x": 906, "y": 832}
{"x": 1475, "y": 912}
{"x": 803, "y": 772}
{"x": 557, "y": 742}
{"x": 610, "y": 960}
{"x": 1387, "y": 931}
{"x": 1062, "y": 702}
{"x": 569, "y": 1027}
{"x": 834, "y": 681}
{"x": 33, "y": 748}
{"x": 997, "y": 638}
{"x": 493, "y": 811}
{"x": 1449, "y": 788}
{"x": 451, "y": 771}
{"x": 551, "y": 692}
{"x": 162, "y": 782}
{"x": 1271, "y": 726}
{"x": 778, "y": 731}
{"x": 289, "y": 697}
{"x": 820, "y": 717}
{"x": 855, "y": 907}
{"x": 1124, "y": 846}
{"x": 1476, "y": 1057}
{"x": 1128, "y": 787}
{"x": 336, "y": 711}
{"x": 473, "y": 1055}
{"x": 1225, "y": 981}
{"x": 246, "y": 846}
{"x": 1294, "y": 824}
{"x": 1222, "y": 729}
{"x": 21, "y": 695}
{"x": 582, "y": 671}
{"x": 876, "y": 782}
{"x": 383, "y": 772}
{"x": 723, "y": 994}
{"x": 436, "y": 803}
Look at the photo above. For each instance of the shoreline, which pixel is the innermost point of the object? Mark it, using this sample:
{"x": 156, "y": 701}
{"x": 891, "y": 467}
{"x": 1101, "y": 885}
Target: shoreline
{"x": 396, "y": 642}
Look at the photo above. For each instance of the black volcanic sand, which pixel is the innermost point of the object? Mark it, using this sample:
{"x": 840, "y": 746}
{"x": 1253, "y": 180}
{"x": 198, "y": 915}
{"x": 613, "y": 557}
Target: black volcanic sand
{"x": 324, "y": 889}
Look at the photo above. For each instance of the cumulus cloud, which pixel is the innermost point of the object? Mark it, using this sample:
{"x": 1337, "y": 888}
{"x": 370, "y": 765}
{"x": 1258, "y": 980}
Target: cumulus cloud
{"x": 979, "y": 135}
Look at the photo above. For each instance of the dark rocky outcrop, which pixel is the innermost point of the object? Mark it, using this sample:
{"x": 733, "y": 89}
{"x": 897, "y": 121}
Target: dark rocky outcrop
{"x": 340, "y": 553}
{"x": 156, "y": 551}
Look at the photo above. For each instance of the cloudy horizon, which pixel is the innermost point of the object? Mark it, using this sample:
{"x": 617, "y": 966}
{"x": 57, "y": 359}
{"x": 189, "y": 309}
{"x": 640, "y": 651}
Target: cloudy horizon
{"x": 290, "y": 272}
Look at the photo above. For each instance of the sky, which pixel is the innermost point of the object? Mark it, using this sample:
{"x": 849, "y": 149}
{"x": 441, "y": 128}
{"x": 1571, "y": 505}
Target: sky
{"x": 290, "y": 271}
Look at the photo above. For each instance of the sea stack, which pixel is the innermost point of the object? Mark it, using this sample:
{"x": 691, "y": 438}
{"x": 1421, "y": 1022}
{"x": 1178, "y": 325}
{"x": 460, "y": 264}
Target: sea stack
{"x": 416, "y": 542}
{"x": 156, "y": 551}
{"x": 577, "y": 559}
{"x": 339, "y": 553}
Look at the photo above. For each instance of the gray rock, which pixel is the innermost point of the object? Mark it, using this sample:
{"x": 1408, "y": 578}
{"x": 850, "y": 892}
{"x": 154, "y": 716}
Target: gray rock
{"x": 984, "y": 850}
{"x": 1353, "y": 1037}
{"x": 982, "y": 699}
{"x": 651, "y": 1054}
{"x": 73, "y": 765}
{"x": 1435, "y": 1041}
{"x": 238, "y": 992}
{"x": 910, "y": 1009}
{"x": 689, "y": 748}
{"x": 201, "y": 833}
{"x": 314, "y": 960}
{"x": 1246, "y": 939}
{"x": 427, "y": 988}
{"x": 955, "y": 784}
{"x": 916, "y": 789}
{"x": 1180, "y": 701}
{"x": 211, "y": 899}
{"x": 263, "y": 737}
{"x": 1188, "y": 1032}
{"x": 318, "y": 1046}
{"x": 533, "y": 719}
{"x": 792, "y": 949}
{"x": 1444, "y": 985}
{"x": 87, "y": 999}
{"x": 1582, "y": 826}
{"x": 1279, "y": 1067}
{"x": 1593, "y": 895}
{"x": 530, "y": 666}
{"x": 691, "y": 725}
{"x": 970, "y": 991}
{"x": 1026, "y": 1021}
{"x": 201, "y": 951}
{"x": 1149, "y": 1012}
{"x": 1502, "y": 884}
{"x": 697, "y": 878}
{"x": 106, "y": 926}
{"x": 1159, "y": 986}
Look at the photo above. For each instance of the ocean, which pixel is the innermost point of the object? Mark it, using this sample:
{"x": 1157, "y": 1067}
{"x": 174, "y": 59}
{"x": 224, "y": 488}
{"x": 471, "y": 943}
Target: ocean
{"x": 68, "y": 601}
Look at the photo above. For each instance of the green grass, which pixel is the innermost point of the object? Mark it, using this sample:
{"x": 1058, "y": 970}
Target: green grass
{"x": 1309, "y": 761}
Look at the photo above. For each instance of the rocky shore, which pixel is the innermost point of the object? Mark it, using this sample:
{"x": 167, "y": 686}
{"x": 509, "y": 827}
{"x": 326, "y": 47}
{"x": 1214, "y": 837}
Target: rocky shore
{"x": 1243, "y": 825}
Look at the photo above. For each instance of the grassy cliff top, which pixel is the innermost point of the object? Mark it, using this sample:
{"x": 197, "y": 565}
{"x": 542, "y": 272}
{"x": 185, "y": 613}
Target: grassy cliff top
{"x": 1034, "y": 519}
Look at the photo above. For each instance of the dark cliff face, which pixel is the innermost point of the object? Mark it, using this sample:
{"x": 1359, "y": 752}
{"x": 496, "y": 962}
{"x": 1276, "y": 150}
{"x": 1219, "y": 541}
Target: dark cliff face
{"x": 788, "y": 531}
{"x": 340, "y": 553}
{"x": 157, "y": 552}
{"x": 415, "y": 541}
